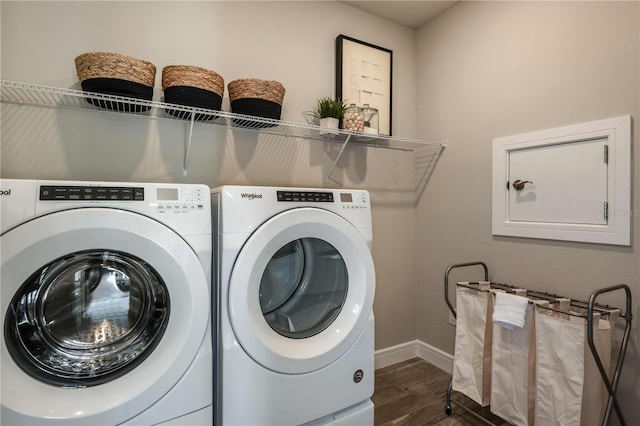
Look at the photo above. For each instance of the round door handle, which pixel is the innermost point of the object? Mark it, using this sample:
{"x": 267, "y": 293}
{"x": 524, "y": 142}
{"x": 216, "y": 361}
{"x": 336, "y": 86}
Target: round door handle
{"x": 518, "y": 184}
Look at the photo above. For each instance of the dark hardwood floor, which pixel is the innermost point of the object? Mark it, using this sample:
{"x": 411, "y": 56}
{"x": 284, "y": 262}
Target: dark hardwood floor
{"x": 414, "y": 393}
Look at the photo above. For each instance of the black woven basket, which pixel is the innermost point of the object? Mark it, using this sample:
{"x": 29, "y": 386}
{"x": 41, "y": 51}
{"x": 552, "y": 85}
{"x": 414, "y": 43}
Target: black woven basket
{"x": 259, "y": 98}
{"x": 192, "y": 86}
{"x": 117, "y": 75}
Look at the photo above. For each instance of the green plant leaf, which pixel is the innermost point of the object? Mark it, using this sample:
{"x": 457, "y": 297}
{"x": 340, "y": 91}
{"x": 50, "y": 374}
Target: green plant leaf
{"x": 329, "y": 107}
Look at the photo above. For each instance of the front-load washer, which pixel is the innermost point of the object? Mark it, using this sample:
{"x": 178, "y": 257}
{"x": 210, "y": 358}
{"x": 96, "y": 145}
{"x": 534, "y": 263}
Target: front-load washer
{"x": 296, "y": 284}
{"x": 105, "y": 303}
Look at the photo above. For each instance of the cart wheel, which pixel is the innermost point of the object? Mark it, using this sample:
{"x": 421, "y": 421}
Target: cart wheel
{"x": 448, "y": 410}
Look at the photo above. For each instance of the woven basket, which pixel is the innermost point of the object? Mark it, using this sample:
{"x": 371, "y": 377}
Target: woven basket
{"x": 114, "y": 65}
{"x": 250, "y": 88}
{"x": 190, "y": 76}
{"x": 118, "y": 75}
{"x": 259, "y": 98}
{"x": 194, "y": 87}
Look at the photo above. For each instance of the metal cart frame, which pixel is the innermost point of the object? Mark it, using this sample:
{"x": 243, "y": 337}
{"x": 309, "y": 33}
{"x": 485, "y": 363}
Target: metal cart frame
{"x": 591, "y": 306}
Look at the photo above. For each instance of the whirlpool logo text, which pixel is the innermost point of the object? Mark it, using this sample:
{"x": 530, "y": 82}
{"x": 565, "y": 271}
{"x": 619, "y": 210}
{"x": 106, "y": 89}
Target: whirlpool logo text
{"x": 5, "y": 192}
{"x": 251, "y": 196}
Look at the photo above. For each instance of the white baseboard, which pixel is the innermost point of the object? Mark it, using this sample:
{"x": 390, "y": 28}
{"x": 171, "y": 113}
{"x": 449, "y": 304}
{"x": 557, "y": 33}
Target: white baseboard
{"x": 416, "y": 348}
{"x": 435, "y": 356}
{"x": 395, "y": 354}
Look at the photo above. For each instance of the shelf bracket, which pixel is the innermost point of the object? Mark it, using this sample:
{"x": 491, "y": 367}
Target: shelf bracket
{"x": 335, "y": 162}
{"x": 187, "y": 146}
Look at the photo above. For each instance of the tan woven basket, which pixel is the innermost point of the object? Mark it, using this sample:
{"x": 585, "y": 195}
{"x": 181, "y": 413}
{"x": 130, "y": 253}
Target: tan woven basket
{"x": 114, "y": 65}
{"x": 190, "y": 76}
{"x": 250, "y": 88}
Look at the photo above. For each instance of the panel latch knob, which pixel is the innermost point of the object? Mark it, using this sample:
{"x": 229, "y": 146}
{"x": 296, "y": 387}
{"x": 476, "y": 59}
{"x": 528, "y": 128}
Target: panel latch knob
{"x": 518, "y": 185}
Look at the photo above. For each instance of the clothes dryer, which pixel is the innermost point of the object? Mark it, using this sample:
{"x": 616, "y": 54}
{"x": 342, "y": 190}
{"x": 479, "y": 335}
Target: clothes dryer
{"x": 296, "y": 284}
{"x": 105, "y": 291}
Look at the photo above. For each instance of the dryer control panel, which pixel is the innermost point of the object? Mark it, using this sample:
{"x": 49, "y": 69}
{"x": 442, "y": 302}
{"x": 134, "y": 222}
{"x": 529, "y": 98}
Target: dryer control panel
{"x": 245, "y": 206}
{"x": 345, "y": 199}
{"x": 306, "y": 196}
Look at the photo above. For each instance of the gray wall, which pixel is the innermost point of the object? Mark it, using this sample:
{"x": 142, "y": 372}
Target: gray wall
{"x": 490, "y": 69}
{"x": 482, "y": 70}
{"x": 292, "y": 42}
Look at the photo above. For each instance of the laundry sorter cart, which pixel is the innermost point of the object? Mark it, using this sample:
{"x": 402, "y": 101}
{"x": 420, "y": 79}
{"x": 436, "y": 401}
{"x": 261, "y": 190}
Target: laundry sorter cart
{"x": 524, "y": 374}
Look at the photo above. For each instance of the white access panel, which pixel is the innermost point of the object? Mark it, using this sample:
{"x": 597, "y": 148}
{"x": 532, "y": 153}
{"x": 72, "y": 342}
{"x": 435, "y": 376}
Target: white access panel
{"x": 570, "y": 183}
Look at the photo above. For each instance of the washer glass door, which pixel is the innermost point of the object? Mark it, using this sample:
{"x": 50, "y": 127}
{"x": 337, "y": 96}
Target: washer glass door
{"x": 301, "y": 290}
{"x": 104, "y": 312}
{"x": 87, "y": 318}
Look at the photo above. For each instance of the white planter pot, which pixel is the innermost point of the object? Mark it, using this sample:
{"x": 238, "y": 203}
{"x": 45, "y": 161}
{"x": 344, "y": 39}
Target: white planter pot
{"x": 329, "y": 126}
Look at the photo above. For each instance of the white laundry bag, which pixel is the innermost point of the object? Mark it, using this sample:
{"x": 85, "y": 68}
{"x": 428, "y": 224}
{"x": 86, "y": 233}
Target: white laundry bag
{"x": 595, "y": 395}
{"x": 560, "y": 345}
{"x": 513, "y": 370}
{"x": 580, "y": 395}
{"x": 472, "y": 352}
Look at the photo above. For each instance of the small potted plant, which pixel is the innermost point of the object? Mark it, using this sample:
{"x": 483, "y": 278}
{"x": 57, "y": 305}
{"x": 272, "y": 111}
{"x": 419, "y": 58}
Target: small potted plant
{"x": 329, "y": 111}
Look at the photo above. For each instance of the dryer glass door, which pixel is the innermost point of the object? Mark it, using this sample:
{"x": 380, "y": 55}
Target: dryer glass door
{"x": 301, "y": 290}
{"x": 303, "y": 287}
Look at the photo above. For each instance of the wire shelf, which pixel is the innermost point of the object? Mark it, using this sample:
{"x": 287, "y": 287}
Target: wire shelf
{"x": 32, "y": 94}
{"x": 413, "y": 153}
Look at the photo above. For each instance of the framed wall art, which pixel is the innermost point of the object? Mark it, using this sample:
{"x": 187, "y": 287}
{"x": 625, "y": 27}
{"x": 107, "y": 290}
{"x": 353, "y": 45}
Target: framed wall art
{"x": 363, "y": 76}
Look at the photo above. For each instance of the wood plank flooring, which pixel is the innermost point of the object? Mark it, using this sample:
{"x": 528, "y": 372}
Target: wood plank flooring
{"x": 414, "y": 393}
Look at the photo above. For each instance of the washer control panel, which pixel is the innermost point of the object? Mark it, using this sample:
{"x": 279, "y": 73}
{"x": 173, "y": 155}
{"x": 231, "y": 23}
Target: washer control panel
{"x": 90, "y": 193}
{"x": 354, "y": 200}
{"x": 179, "y": 199}
{"x": 161, "y": 198}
